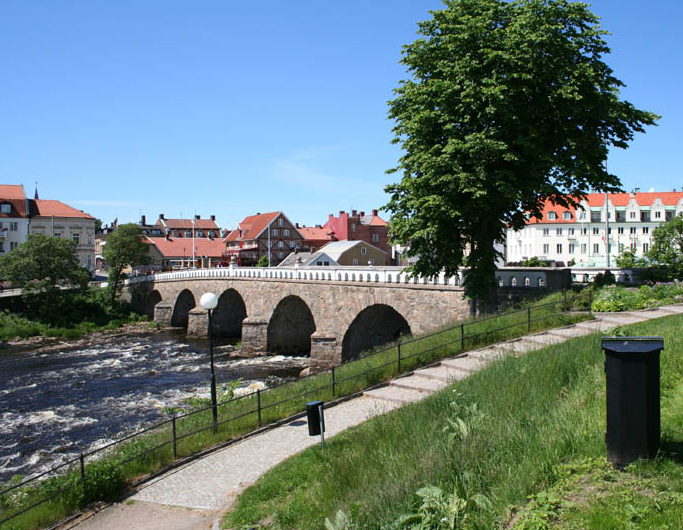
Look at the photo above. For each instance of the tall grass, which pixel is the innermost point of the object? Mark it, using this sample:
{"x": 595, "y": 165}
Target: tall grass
{"x": 523, "y": 418}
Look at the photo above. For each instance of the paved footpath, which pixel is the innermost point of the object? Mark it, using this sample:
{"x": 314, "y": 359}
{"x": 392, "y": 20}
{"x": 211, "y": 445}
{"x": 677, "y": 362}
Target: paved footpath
{"x": 195, "y": 495}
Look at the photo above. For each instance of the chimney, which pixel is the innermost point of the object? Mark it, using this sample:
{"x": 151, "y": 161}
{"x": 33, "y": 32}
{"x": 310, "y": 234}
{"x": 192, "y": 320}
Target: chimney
{"x": 161, "y": 216}
{"x": 354, "y": 213}
{"x": 197, "y": 217}
{"x": 374, "y": 213}
{"x": 143, "y": 221}
{"x": 296, "y": 225}
{"x": 213, "y": 218}
{"x": 362, "y": 214}
{"x": 341, "y": 212}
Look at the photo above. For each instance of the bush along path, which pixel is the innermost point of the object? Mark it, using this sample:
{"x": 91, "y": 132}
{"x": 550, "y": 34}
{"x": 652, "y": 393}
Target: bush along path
{"x": 195, "y": 495}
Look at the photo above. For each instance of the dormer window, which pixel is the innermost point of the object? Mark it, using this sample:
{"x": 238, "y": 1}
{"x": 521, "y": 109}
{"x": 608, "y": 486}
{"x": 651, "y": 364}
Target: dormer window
{"x": 552, "y": 216}
{"x": 5, "y": 208}
{"x": 566, "y": 216}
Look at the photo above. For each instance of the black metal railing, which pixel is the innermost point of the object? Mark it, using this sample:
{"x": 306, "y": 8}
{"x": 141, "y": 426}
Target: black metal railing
{"x": 159, "y": 446}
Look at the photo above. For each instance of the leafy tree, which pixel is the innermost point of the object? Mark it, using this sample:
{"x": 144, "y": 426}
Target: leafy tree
{"x": 124, "y": 247}
{"x": 41, "y": 266}
{"x": 534, "y": 261}
{"x": 509, "y": 105}
{"x": 263, "y": 261}
{"x": 629, "y": 260}
{"x": 667, "y": 246}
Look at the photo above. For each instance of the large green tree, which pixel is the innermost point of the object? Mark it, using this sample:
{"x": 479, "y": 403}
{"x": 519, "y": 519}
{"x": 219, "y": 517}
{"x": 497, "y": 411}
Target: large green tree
{"x": 42, "y": 266}
{"x": 667, "y": 246}
{"x": 509, "y": 105}
{"x": 124, "y": 247}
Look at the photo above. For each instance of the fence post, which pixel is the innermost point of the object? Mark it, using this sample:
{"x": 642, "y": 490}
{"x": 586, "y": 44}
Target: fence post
{"x": 82, "y": 460}
{"x": 258, "y": 405}
{"x": 175, "y": 438}
{"x": 462, "y": 337}
{"x": 398, "y": 347}
{"x": 333, "y": 384}
{"x": 528, "y": 319}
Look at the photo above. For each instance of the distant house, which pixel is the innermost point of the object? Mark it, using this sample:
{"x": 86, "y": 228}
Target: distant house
{"x": 360, "y": 227}
{"x": 175, "y": 253}
{"x": 196, "y": 227}
{"x": 14, "y": 217}
{"x": 316, "y": 237}
{"x": 54, "y": 218}
{"x": 264, "y": 234}
{"x": 355, "y": 253}
{"x": 316, "y": 258}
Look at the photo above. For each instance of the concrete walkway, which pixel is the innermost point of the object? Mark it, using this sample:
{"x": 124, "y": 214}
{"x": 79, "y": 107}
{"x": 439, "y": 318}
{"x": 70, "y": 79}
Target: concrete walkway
{"x": 194, "y": 496}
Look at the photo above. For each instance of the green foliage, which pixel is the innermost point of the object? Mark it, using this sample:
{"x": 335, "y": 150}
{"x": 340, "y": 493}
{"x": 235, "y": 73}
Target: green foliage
{"x": 263, "y": 261}
{"x": 667, "y": 246}
{"x": 534, "y": 262}
{"x": 629, "y": 260}
{"x": 124, "y": 247}
{"x": 617, "y": 298}
{"x": 604, "y": 278}
{"x": 509, "y": 105}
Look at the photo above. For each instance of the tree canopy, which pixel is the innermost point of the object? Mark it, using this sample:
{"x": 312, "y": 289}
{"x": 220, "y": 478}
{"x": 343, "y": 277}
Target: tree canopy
{"x": 667, "y": 246}
{"x": 124, "y": 247}
{"x": 509, "y": 105}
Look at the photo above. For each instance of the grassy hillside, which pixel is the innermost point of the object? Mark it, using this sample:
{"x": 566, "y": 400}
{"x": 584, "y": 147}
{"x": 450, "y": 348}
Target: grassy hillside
{"x": 518, "y": 445}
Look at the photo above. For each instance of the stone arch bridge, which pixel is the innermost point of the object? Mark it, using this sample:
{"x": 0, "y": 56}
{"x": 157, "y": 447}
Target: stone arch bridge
{"x": 331, "y": 314}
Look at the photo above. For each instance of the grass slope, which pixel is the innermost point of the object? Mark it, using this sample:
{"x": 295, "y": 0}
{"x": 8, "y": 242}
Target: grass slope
{"x": 500, "y": 447}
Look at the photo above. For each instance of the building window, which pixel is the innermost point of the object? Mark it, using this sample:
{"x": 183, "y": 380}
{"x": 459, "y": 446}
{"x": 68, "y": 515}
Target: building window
{"x": 584, "y": 248}
{"x": 546, "y": 249}
{"x": 2, "y": 246}
{"x": 596, "y": 248}
{"x": 620, "y": 230}
{"x": 570, "y": 231}
{"x": 585, "y": 231}
{"x": 566, "y": 216}
{"x": 596, "y": 231}
{"x": 371, "y": 261}
{"x": 632, "y": 230}
{"x": 280, "y": 244}
{"x": 558, "y": 231}
{"x": 280, "y": 221}
{"x": 14, "y": 226}
{"x": 552, "y": 216}
{"x": 355, "y": 261}
{"x": 646, "y": 247}
{"x": 375, "y": 238}
{"x": 280, "y": 255}
{"x": 274, "y": 232}
{"x": 363, "y": 250}
{"x": 500, "y": 282}
{"x": 582, "y": 217}
{"x": 632, "y": 215}
{"x": 353, "y": 227}
{"x": 58, "y": 234}
{"x": 541, "y": 282}
{"x": 5, "y": 208}
{"x": 76, "y": 238}
{"x": 292, "y": 244}
{"x": 513, "y": 282}
{"x": 658, "y": 215}
{"x": 527, "y": 281}
{"x": 13, "y": 245}
{"x": 572, "y": 248}
{"x": 559, "y": 248}
{"x": 285, "y": 232}
{"x": 546, "y": 231}
{"x": 646, "y": 230}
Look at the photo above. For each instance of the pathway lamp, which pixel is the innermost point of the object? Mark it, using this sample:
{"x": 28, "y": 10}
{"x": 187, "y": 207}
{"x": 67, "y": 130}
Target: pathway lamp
{"x": 209, "y": 301}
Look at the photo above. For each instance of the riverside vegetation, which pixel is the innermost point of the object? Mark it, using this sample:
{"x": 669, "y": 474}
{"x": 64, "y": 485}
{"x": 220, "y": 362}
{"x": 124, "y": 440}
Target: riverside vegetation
{"x": 516, "y": 446}
{"x": 109, "y": 474}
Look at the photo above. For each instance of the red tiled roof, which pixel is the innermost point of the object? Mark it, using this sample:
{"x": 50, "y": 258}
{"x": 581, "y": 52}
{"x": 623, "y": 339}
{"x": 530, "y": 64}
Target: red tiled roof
{"x": 316, "y": 232}
{"x": 234, "y": 235}
{"x": 597, "y": 200}
{"x": 186, "y": 224}
{"x": 252, "y": 226}
{"x": 182, "y": 246}
{"x": 12, "y": 191}
{"x": 48, "y": 208}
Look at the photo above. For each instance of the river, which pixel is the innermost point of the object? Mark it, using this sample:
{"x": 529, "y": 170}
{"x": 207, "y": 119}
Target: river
{"x": 57, "y": 404}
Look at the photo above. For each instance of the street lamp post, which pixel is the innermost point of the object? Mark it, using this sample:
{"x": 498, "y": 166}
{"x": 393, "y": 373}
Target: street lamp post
{"x": 209, "y": 301}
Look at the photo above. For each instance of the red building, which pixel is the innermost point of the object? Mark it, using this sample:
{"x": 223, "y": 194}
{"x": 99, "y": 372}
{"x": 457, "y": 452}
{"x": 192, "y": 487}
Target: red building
{"x": 360, "y": 227}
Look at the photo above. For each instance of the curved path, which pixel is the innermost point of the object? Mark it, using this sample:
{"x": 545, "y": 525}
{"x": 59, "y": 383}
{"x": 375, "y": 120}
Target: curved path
{"x": 195, "y": 495}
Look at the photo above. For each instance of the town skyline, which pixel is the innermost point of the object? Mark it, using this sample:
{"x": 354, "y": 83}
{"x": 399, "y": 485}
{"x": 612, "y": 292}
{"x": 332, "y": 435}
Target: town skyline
{"x": 124, "y": 110}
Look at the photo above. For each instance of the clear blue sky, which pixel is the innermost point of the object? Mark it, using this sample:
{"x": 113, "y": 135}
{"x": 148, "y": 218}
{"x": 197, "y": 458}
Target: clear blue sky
{"x": 226, "y": 107}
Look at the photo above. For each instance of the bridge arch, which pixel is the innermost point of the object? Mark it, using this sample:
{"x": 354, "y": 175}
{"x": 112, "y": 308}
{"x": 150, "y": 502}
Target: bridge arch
{"x": 181, "y": 309}
{"x": 153, "y": 298}
{"x": 375, "y": 325}
{"x": 290, "y": 327}
{"x": 227, "y": 318}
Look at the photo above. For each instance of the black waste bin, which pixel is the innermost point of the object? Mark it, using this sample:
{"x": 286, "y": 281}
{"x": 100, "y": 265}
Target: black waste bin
{"x": 316, "y": 418}
{"x": 633, "y": 415}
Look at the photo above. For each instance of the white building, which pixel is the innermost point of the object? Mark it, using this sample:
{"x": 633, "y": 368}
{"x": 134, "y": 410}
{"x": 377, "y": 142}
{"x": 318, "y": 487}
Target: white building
{"x": 581, "y": 235}
{"x": 14, "y": 220}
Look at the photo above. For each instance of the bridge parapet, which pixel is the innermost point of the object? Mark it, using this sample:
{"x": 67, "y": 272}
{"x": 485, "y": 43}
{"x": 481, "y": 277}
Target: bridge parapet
{"x": 382, "y": 275}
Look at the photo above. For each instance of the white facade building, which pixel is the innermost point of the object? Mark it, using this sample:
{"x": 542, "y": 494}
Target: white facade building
{"x": 580, "y": 235}
{"x": 14, "y": 222}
